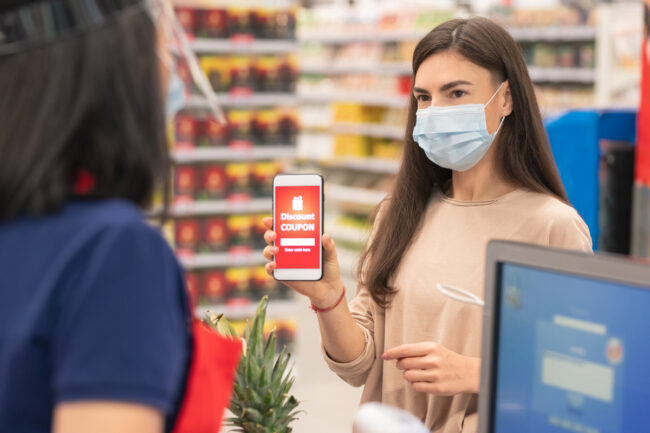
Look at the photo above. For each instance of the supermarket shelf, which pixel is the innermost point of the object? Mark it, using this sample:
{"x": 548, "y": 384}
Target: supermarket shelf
{"x": 246, "y": 101}
{"x": 570, "y": 33}
{"x": 254, "y": 46}
{"x": 351, "y": 69}
{"x": 398, "y": 101}
{"x": 221, "y": 207}
{"x": 222, "y": 260}
{"x": 348, "y": 234}
{"x": 213, "y": 154}
{"x": 372, "y": 165}
{"x": 562, "y": 75}
{"x": 369, "y": 129}
{"x": 348, "y": 262}
{"x": 554, "y": 33}
{"x": 349, "y": 194}
{"x": 276, "y": 308}
{"x": 344, "y": 37}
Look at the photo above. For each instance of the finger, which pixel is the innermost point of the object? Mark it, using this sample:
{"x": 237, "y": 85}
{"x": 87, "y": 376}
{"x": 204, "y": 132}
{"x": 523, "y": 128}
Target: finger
{"x": 407, "y": 351}
{"x": 270, "y": 267}
{"x": 270, "y": 251}
{"x": 269, "y": 236}
{"x": 268, "y": 223}
{"x": 330, "y": 248}
{"x": 420, "y": 376}
{"x": 418, "y": 362}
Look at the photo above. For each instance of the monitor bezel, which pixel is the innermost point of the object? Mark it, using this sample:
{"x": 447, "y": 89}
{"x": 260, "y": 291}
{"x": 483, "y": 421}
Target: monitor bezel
{"x": 608, "y": 267}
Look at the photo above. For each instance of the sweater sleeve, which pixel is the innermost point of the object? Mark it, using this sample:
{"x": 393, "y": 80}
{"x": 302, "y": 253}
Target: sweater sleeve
{"x": 568, "y": 230}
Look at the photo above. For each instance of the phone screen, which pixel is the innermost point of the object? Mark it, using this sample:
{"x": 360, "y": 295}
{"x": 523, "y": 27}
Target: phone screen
{"x": 298, "y": 226}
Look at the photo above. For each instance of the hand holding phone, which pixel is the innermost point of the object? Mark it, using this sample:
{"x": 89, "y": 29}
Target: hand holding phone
{"x": 311, "y": 272}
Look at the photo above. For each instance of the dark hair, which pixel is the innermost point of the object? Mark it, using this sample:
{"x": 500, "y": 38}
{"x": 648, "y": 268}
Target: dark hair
{"x": 522, "y": 151}
{"x": 88, "y": 102}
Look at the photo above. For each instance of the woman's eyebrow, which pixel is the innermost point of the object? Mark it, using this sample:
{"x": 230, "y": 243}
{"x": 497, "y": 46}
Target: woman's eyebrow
{"x": 453, "y": 84}
{"x": 420, "y": 90}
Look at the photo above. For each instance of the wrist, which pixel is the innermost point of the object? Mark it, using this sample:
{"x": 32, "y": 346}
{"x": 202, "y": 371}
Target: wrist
{"x": 331, "y": 296}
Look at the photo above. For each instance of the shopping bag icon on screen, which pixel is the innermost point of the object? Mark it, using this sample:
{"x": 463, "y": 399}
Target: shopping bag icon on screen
{"x": 297, "y": 203}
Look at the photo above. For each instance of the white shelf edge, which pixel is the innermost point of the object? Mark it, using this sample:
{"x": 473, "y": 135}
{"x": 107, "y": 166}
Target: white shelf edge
{"x": 255, "y": 46}
{"x": 551, "y": 33}
{"x": 228, "y": 154}
{"x": 223, "y": 260}
{"x": 276, "y": 309}
{"x": 360, "y": 196}
{"x": 253, "y": 100}
{"x": 554, "y": 33}
{"x": 397, "y": 101}
{"x": 348, "y": 234}
{"x": 369, "y": 129}
{"x": 344, "y": 37}
{"x": 220, "y": 207}
{"x": 374, "y": 69}
{"x": 559, "y": 74}
{"x": 370, "y": 164}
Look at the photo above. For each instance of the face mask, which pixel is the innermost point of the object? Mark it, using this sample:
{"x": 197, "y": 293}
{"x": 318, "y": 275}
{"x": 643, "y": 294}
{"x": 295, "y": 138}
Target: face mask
{"x": 454, "y": 137}
{"x": 175, "y": 94}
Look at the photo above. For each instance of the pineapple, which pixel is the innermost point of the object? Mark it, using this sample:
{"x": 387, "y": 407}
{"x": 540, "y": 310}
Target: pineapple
{"x": 261, "y": 402}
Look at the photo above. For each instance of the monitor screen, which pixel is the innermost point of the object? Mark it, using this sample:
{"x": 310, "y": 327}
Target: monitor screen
{"x": 573, "y": 354}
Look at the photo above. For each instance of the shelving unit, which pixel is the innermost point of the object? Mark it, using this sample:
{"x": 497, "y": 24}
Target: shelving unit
{"x": 243, "y": 46}
{"x": 214, "y": 154}
{"x": 245, "y": 100}
{"x": 227, "y": 170}
{"x": 222, "y": 260}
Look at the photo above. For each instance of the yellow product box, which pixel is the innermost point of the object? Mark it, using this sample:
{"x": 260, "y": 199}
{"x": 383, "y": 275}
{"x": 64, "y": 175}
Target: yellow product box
{"x": 349, "y": 112}
{"x": 351, "y": 145}
{"x": 386, "y": 149}
{"x": 217, "y": 69}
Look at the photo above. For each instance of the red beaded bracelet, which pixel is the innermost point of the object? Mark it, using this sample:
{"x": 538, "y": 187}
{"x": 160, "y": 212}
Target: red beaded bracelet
{"x": 325, "y": 310}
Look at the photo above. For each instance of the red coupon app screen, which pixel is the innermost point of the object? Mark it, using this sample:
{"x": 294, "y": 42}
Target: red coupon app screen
{"x": 297, "y": 224}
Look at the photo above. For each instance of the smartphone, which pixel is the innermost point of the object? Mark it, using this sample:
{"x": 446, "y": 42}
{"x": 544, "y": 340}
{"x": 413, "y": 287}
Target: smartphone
{"x": 298, "y": 224}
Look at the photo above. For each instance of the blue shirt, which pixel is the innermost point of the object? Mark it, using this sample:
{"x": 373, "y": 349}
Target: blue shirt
{"x": 92, "y": 306}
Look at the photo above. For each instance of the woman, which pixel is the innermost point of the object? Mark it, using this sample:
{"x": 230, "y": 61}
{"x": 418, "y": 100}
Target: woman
{"x": 95, "y": 330}
{"x": 476, "y": 166}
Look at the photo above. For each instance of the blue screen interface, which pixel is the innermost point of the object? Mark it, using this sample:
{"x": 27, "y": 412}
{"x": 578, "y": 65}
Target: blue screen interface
{"x": 573, "y": 354}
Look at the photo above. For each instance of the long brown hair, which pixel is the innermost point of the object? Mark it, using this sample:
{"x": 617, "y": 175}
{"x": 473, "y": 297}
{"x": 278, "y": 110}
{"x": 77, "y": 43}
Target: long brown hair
{"x": 522, "y": 151}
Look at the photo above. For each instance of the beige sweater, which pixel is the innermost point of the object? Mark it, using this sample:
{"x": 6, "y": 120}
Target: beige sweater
{"x": 449, "y": 248}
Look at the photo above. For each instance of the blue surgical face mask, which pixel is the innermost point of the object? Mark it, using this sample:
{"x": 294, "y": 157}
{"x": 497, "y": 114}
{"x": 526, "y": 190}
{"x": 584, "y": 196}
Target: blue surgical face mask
{"x": 175, "y": 94}
{"x": 454, "y": 137}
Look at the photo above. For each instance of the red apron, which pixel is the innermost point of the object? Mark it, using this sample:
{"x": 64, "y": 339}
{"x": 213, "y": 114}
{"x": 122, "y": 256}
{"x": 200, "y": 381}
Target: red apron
{"x": 209, "y": 382}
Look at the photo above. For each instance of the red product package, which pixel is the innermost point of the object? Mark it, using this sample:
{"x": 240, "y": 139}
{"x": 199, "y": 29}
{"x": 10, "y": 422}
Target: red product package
{"x": 187, "y": 234}
{"x": 214, "y": 184}
{"x": 215, "y": 133}
{"x": 186, "y": 130}
{"x": 214, "y": 23}
{"x": 185, "y": 181}
{"x": 187, "y": 18}
{"x": 214, "y": 286}
{"x": 215, "y": 234}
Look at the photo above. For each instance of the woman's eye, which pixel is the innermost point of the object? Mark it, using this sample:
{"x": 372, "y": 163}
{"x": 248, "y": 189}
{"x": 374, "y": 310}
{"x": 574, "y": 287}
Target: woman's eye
{"x": 458, "y": 93}
{"x": 423, "y": 98}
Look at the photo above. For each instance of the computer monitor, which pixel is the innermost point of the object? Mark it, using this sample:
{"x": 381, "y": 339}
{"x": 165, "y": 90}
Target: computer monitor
{"x": 566, "y": 342}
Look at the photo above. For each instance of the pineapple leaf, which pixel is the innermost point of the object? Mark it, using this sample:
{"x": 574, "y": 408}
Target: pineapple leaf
{"x": 252, "y": 398}
{"x": 265, "y": 378}
{"x": 269, "y": 351}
